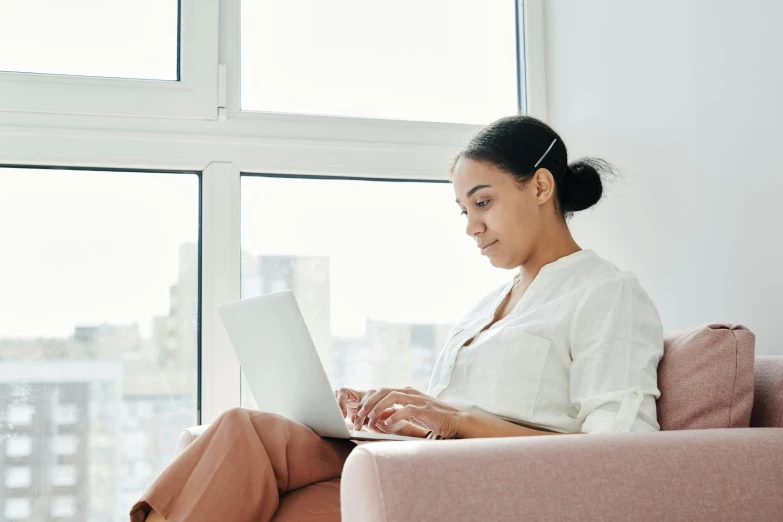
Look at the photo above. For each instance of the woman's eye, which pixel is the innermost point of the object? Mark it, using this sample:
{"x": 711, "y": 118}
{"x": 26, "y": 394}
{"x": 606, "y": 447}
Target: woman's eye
{"x": 480, "y": 204}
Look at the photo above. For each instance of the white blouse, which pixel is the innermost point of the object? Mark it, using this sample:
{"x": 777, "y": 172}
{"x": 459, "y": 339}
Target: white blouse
{"x": 579, "y": 352}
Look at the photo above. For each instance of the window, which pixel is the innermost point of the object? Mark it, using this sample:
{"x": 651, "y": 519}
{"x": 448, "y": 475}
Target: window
{"x": 19, "y": 446}
{"x": 378, "y": 294}
{"x": 64, "y": 476}
{"x": 20, "y": 415}
{"x": 17, "y": 477}
{"x": 17, "y": 508}
{"x": 103, "y": 353}
{"x": 66, "y": 414}
{"x": 65, "y": 444}
{"x": 63, "y": 506}
{"x": 84, "y": 38}
{"x": 438, "y": 60}
{"x": 124, "y": 226}
{"x": 153, "y": 58}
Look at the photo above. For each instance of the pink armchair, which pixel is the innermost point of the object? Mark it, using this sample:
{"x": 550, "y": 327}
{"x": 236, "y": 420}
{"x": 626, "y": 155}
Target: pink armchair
{"x": 693, "y": 475}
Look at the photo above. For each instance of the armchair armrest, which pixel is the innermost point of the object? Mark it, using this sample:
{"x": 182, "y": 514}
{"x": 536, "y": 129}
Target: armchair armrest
{"x": 695, "y": 475}
{"x": 187, "y": 437}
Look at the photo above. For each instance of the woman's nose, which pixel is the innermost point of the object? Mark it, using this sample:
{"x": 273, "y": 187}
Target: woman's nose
{"x": 473, "y": 227}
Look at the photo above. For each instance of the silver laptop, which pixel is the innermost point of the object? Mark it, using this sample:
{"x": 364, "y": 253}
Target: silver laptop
{"x": 282, "y": 367}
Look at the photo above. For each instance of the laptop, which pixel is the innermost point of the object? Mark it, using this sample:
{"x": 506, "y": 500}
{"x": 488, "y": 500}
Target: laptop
{"x": 282, "y": 366}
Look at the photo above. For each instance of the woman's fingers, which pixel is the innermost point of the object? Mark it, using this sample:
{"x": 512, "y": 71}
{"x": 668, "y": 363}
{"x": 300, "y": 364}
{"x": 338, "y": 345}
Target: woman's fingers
{"x": 401, "y": 418}
{"x": 377, "y": 423}
{"x": 342, "y": 397}
{"x": 367, "y": 404}
{"x": 352, "y": 406}
{"x": 358, "y": 405}
{"x": 404, "y": 411}
{"x": 383, "y": 399}
{"x": 385, "y": 414}
{"x": 373, "y": 426}
{"x": 348, "y": 400}
{"x": 396, "y": 397}
{"x": 339, "y": 402}
{"x": 404, "y": 427}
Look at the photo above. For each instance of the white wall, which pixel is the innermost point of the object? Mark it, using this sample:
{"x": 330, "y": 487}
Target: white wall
{"x": 686, "y": 96}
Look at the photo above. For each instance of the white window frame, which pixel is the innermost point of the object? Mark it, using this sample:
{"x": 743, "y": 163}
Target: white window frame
{"x": 193, "y": 96}
{"x": 233, "y": 141}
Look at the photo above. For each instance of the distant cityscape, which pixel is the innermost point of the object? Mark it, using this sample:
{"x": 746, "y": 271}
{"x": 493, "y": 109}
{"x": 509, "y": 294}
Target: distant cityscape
{"x": 87, "y": 422}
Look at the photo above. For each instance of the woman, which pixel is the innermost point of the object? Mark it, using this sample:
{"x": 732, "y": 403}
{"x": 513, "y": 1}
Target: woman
{"x": 570, "y": 345}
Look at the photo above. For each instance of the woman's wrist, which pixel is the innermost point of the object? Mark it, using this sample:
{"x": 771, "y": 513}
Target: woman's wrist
{"x": 463, "y": 422}
{"x": 419, "y": 432}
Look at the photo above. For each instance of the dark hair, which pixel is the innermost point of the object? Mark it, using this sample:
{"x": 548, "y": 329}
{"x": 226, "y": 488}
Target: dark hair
{"x": 514, "y": 144}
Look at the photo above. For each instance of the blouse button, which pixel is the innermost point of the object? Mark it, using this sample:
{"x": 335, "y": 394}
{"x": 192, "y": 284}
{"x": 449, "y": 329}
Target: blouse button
{"x": 450, "y": 366}
{"x": 634, "y": 395}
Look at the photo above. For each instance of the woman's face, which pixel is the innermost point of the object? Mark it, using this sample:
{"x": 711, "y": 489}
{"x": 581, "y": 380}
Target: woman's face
{"x": 506, "y": 218}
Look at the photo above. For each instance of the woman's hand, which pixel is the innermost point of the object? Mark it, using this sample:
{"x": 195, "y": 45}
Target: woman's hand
{"x": 415, "y": 409}
{"x": 349, "y": 401}
{"x": 407, "y": 429}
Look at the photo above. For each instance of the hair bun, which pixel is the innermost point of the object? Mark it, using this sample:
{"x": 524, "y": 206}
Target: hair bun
{"x": 581, "y": 186}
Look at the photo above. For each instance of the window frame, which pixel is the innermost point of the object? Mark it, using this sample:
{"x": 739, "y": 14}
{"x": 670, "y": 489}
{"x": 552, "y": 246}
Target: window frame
{"x": 78, "y": 124}
{"x": 194, "y": 95}
{"x": 199, "y": 290}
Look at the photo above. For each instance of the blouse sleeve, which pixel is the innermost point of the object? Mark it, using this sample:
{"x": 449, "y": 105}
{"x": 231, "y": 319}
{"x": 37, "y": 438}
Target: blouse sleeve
{"x": 616, "y": 344}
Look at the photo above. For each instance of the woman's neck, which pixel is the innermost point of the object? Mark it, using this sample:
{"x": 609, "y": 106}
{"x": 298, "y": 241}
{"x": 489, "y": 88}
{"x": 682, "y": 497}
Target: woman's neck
{"x": 548, "y": 254}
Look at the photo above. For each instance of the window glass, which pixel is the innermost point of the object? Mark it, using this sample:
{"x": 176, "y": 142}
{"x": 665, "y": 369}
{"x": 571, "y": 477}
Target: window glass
{"x": 17, "y": 477}
{"x": 381, "y": 270}
{"x": 114, "y": 38}
{"x": 98, "y": 339}
{"x": 17, "y": 508}
{"x": 439, "y": 60}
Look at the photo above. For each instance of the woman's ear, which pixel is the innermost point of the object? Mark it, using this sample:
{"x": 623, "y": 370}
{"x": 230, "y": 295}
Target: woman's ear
{"x": 544, "y": 184}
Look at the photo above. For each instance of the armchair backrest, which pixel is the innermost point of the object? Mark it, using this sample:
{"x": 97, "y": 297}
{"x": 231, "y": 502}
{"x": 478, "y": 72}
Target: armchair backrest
{"x": 768, "y": 392}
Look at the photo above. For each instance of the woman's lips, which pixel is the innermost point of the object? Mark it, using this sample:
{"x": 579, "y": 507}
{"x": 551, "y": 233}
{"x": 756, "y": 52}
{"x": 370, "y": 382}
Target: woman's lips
{"x": 486, "y": 248}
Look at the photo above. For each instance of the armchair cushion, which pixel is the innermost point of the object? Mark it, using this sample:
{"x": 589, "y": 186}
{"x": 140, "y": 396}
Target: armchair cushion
{"x": 706, "y": 377}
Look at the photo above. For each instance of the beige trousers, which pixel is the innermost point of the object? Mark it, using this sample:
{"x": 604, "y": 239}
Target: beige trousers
{"x": 251, "y": 466}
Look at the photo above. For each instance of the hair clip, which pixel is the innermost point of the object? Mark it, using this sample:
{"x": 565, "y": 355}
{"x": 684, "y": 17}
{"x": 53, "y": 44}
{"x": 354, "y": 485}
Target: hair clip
{"x": 545, "y": 153}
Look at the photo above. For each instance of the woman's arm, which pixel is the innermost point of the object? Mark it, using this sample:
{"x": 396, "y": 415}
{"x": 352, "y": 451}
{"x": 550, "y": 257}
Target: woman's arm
{"x": 476, "y": 424}
{"x": 401, "y": 407}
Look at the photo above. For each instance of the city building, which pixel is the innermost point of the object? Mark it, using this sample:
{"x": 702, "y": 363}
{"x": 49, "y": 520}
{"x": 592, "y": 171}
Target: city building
{"x": 59, "y": 450}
